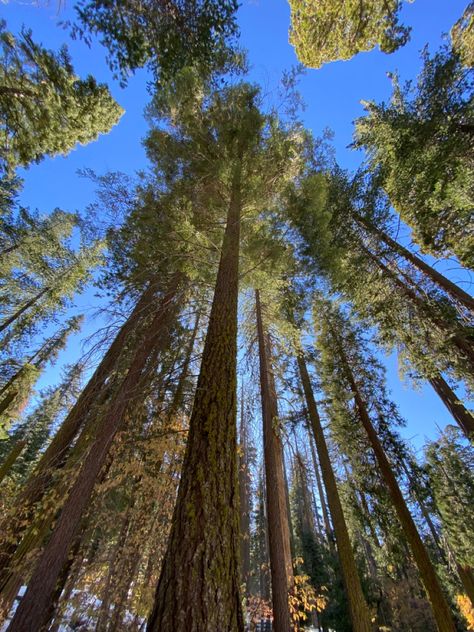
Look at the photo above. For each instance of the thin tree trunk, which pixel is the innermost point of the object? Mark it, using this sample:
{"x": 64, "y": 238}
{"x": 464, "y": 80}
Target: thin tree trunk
{"x": 244, "y": 497}
{"x": 11, "y": 459}
{"x": 6, "y": 323}
{"x": 14, "y": 527}
{"x": 441, "y": 610}
{"x": 324, "y": 509}
{"x": 277, "y": 508}
{"x": 358, "y": 609}
{"x": 198, "y": 590}
{"x": 459, "y": 340}
{"x": 460, "y": 413}
{"x": 445, "y": 284}
{"x": 33, "y": 607}
{"x": 464, "y": 571}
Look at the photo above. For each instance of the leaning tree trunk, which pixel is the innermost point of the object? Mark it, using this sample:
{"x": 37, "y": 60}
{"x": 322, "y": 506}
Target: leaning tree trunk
{"x": 457, "y": 293}
{"x": 33, "y": 608}
{"x": 461, "y": 414}
{"x": 464, "y": 345}
{"x": 358, "y": 609}
{"x": 6, "y": 323}
{"x": 11, "y": 459}
{"x": 322, "y": 500}
{"x": 14, "y": 526}
{"x": 277, "y": 509}
{"x": 441, "y": 610}
{"x": 198, "y": 590}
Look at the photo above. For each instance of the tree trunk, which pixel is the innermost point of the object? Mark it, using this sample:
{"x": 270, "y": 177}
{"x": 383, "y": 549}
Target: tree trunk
{"x": 277, "y": 508}
{"x": 322, "y": 500}
{"x": 358, "y": 609}
{"x": 441, "y": 611}
{"x": 13, "y": 527}
{"x": 6, "y": 323}
{"x": 440, "y": 280}
{"x": 33, "y": 608}
{"x": 198, "y": 590}
{"x": 11, "y": 459}
{"x": 464, "y": 346}
{"x": 460, "y": 413}
{"x": 244, "y": 497}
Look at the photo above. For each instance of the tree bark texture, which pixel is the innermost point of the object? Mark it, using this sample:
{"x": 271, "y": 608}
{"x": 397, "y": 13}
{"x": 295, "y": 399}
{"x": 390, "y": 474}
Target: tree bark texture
{"x": 277, "y": 507}
{"x": 441, "y": 610}
{"x": 198, "y": 589}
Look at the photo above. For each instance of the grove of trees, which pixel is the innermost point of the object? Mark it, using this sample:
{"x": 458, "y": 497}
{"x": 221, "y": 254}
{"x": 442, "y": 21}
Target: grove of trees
{"x": 223, "y": 452}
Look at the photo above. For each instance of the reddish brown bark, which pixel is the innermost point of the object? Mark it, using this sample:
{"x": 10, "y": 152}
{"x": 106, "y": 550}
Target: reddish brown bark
{"x": 13, "y": 527}
{"x": 460, "y": 413}
{"x": 277, "y": 508}
{"x": 33, "y": 608}
{"x": 457, "y": 293}
{"x": 198, "y": 589}
{"x": 358, "y": 609}
{"x": 441, "y": 610}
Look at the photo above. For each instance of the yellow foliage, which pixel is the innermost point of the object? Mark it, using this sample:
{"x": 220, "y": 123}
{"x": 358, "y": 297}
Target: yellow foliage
{"x": 303, "y": 599}
{"x": 467, "y": 610}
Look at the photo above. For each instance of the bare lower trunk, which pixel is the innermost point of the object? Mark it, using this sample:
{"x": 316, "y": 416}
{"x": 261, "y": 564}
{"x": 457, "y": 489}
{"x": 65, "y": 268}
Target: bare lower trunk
{"x": 244, "y": 497}
{"x": 358, "y": 609}
{"x": 32, "y": 611}
{"x": 198, "y": 590}
{"x": 322, "y": 500}
{"x": 277, "y": 507}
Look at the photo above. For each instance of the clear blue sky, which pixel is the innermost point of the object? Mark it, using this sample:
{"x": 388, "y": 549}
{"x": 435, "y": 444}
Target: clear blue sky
{"x": 332, "y": 95}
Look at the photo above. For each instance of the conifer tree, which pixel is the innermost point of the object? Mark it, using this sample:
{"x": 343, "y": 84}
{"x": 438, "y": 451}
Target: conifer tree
{"x": 357, "y": 605}
{"x": 413, "y": 140}
{"x": 346, "y": 345}
{"x": 167, "y": 37}
{"x": 325, "y": 31}
{"x": 277, "y": 508}
{"x": 45, "y": 109}
{"x": 16, "y": 389}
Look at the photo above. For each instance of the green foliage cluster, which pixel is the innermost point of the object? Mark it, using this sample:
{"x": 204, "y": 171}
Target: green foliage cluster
{"x": 421, "y": 145}
{"x": 167, "y": 36}
{"x": 45, "y": 109}
{"x": 326, "y": 30}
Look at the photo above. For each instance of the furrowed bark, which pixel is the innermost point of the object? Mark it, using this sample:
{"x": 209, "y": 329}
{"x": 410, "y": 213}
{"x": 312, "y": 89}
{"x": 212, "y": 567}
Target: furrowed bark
{"x": 460, "y": 413}
{"x": 277, "y": 508}
{"x": 198, "y": 589}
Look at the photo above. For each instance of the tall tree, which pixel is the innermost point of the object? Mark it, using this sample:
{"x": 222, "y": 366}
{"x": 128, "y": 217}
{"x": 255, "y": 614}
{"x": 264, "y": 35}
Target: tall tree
{"x": 277, "y": 507}
{"x": 346, "y": 345}
{"x": 359, "y": 611}
{"x": 45, "y": 109}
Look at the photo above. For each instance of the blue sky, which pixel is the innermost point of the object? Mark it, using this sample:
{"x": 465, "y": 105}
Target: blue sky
{"x": 332, "y": 96}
